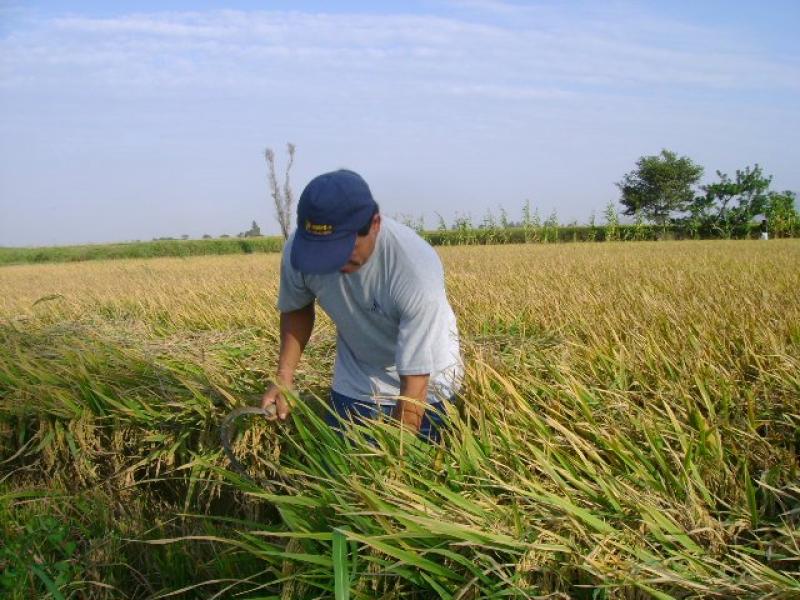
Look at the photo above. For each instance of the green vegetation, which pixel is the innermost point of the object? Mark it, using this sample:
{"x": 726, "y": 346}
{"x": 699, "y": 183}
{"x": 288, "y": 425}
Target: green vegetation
{"x": 782, "y": 218}
{"x": 659, "y": 186}
{"x": 660, "y": 189}
{"x": 629, "y": 428}
{"x": 731, "y": 204}
{"x": 157, "y": 248}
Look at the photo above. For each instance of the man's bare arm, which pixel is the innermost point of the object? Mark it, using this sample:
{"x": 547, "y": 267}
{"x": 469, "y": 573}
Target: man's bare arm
{"x": 410, "y": 412}
{"x": 296, "y": 327}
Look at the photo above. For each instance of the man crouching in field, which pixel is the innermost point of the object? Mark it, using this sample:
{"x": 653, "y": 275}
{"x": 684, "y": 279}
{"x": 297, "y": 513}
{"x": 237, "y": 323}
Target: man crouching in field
{"x": 397, "y": 346}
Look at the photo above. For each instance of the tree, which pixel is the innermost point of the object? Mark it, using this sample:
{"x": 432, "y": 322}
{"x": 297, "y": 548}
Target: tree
{"x": 731, "y": 204}
{"x": 283, "y": 197}
{"x": 782, "y": 216}
{"x": 659, "y": 185}
{"x": 254, "y": 231}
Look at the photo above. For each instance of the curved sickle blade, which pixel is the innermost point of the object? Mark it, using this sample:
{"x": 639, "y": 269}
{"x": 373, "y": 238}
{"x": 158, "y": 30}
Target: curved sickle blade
{"x": 226, "y": 431}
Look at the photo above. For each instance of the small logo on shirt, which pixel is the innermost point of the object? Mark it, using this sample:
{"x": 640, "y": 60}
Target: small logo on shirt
{"x": 375, "y": 306}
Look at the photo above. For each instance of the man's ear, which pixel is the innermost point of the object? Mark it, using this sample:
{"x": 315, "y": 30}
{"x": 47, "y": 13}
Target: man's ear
{"x": 376, "y": 222}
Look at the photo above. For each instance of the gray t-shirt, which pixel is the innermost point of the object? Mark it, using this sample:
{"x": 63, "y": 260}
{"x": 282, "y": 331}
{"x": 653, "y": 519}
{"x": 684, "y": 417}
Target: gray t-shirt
{"x": 392, "y": 317}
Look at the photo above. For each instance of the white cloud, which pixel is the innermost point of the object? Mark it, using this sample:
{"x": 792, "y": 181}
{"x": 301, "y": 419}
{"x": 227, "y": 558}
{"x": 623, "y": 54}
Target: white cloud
{"x": 385, "y": 51}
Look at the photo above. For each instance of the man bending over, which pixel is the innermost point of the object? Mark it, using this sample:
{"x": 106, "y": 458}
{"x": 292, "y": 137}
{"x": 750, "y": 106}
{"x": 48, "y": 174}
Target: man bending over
{"x": 397, "y": 345}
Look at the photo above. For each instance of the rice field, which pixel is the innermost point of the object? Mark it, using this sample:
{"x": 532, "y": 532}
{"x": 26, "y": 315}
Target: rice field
{"x": 629, "y": 428}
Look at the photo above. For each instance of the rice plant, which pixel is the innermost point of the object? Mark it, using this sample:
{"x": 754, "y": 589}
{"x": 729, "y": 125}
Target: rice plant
{"x": 629, "y": 428}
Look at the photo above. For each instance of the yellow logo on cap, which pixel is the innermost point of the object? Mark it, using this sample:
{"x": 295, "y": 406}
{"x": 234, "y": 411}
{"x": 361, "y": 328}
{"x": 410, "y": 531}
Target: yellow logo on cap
{"x": 318, "y": 229}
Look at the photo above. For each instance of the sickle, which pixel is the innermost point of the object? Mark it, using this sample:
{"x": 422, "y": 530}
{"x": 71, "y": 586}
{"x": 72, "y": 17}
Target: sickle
{"x": 226, "y": 432}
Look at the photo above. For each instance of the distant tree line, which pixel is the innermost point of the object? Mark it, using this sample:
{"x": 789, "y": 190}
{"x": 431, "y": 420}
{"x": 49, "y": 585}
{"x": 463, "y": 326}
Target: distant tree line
{"x": 662, "y": 189}
{"x": 254, "y": 231}
{"x": 662, "y": 196}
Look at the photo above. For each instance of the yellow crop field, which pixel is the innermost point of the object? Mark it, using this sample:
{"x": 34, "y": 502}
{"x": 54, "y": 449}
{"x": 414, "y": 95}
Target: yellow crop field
{"x": 629, "y": 428}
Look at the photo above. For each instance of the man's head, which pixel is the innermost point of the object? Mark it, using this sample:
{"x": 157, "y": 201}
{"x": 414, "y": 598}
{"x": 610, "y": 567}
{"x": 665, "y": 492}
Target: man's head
{"x": 365, "y": 244}
{"x": 337, "y": 224}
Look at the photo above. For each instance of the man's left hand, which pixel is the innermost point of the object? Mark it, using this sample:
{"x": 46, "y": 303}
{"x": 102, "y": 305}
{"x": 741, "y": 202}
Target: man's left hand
{"x": 410, "y": 408}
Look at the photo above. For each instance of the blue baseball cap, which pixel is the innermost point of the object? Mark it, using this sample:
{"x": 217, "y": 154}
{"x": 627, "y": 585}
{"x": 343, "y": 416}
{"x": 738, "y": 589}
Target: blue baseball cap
{"x": 331, "y": 210}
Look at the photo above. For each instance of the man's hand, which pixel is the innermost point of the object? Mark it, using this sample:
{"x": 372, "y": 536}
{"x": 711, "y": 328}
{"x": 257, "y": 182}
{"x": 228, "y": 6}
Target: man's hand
{"x": 273, "y": 395}
{"x": 409, "y": 414}
{"x": 410, "y": 408}
{"x": 296, "y": 328}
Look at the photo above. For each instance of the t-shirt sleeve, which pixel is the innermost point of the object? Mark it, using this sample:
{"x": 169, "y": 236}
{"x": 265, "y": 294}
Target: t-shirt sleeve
{"x": 419, "y": 314}
{"x": 293, "y": 293}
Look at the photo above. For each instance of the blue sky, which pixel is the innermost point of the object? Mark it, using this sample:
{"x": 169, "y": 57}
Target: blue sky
{"x": 122, "y": 121}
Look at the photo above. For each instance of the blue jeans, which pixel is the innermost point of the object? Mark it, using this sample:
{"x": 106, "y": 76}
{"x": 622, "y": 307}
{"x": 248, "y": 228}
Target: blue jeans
{"x": 357, "y": 410}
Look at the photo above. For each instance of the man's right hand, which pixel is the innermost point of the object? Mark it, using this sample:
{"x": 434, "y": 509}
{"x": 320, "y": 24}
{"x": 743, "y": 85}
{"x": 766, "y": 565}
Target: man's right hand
{"x": 274, "y": 396}
{"x": 296, "y": 326}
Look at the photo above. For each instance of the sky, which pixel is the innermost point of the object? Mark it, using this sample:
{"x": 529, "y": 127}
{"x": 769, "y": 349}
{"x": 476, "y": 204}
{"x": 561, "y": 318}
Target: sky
{"x": 134, "y": 120}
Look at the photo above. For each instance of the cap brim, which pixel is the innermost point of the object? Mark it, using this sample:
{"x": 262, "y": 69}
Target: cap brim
{"x": 317, "y": 255}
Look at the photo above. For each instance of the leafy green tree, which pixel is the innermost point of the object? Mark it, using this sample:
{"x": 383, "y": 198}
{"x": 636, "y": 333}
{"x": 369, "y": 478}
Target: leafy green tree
{"x": 731, "y": 204}
{"x": 781, "y": 213}
{"x": 659, "y": 185}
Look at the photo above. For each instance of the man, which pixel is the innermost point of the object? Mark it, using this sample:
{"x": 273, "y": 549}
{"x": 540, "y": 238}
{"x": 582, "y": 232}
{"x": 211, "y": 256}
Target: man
{"x": 397, "y": 346}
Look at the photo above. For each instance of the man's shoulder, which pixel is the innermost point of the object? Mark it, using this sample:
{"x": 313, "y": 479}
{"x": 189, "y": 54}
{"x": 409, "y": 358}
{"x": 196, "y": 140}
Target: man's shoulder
{"x": 287, "y": 270}
{"x": 413, "y": 262}
{"x": 405, "y": 241}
